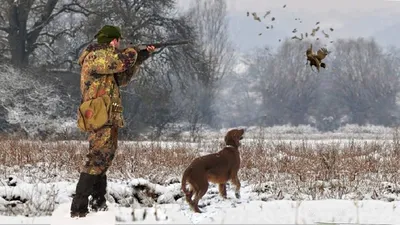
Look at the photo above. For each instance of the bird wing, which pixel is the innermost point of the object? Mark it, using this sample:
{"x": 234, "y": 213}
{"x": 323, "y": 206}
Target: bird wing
{"x": 321, "y": 54}
{"x": 309, "y": 52}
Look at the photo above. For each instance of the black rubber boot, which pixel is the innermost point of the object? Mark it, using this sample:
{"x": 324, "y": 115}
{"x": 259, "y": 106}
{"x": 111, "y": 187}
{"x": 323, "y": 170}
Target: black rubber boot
{"x": 79, "y": 206}
{"x": 98, "y": 201}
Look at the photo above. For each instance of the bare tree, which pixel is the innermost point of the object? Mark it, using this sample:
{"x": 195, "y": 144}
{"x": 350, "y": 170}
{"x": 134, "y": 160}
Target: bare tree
{"x": 240, "y": 99}
{"x": 365, "y": 81}
{"x": 288, "y": 87}
{"x": 25, "y": 21}
{"x": 140, "y": 20}
{"x": 210, "y": 20}
{"x": 216, "y": 52}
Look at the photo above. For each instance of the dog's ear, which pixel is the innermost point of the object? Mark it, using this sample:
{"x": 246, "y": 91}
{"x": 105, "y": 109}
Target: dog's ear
{"x": 234, "y": 136}
{"x": 230, "y": 137}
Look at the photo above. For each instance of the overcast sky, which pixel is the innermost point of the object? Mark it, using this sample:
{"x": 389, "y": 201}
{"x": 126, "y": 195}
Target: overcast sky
{"x": 349, "y": 18}
{"x": 312, "y": 5}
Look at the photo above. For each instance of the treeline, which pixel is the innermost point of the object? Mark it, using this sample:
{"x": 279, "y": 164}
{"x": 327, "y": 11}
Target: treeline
{"x": 359, "y": 86}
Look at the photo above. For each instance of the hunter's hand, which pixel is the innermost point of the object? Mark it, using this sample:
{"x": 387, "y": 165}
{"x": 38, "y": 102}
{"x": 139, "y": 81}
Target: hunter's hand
{"x": 151, "y": 49}
{"x": 144, "y": 54}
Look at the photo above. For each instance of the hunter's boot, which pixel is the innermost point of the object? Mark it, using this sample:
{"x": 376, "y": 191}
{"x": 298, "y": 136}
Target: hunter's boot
{"x": 98, "y": 201}
{"x": 79, "y": 206}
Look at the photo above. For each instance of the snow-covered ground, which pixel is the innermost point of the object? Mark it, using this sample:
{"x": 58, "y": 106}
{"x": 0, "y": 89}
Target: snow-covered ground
{"x": 31, "y": 193}
{"x": 32, "y": 203}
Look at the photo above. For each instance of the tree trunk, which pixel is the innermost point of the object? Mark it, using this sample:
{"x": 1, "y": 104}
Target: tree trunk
{"x": 17, "y": 17}
{"x": 22, "y": 42}
{"x": 19, "y": 58}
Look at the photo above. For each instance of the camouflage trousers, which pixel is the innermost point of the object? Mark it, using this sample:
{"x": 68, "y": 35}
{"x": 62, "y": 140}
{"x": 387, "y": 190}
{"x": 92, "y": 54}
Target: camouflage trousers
{"x": 103, "y": 144}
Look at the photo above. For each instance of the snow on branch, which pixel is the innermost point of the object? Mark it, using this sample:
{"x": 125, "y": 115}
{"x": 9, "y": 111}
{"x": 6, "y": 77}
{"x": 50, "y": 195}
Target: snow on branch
{"x": 45, "y": 44}
{"x": 30, "y": 104}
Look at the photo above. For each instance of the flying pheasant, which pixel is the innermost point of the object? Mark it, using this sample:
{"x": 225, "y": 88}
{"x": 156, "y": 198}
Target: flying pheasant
{"x": 316, "y": 59}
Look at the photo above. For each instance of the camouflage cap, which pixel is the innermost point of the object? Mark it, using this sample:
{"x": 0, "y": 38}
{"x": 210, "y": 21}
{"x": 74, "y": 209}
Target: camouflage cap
{"x": 108, "y": 33}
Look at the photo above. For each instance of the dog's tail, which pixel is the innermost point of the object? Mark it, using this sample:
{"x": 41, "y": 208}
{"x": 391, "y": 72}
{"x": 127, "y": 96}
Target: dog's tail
{"x": 184, "y": 182}
{"x": 188, "y": 193}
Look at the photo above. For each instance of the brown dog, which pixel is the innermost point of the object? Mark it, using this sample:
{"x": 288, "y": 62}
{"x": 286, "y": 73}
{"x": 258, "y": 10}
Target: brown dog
{"x": 217, "y": 168}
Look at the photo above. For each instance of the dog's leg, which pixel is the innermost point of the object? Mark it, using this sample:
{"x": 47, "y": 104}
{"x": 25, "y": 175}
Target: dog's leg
{"x": 202, "y": 190}
{"x": 193, "y": 192}
{"x": 189, "y": 196}
{"x": 192, "y": 203}
{"x": 222, "y": 190}
{"x": 198, "y": 196}
{"x": 236, "y": 182}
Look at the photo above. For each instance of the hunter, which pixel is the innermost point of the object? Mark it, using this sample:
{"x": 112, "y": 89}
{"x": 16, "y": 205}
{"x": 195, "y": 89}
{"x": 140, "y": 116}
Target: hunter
{"x": 105, "y": 68}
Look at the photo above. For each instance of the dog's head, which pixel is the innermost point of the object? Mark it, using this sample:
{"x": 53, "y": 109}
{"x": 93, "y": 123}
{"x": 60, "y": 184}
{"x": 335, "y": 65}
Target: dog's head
{"x": 233, "y": 137}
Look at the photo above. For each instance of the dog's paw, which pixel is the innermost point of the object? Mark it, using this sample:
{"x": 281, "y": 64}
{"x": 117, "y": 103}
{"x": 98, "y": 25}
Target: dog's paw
{"x": 223, "y": 197}
{"x": 237, "y": 195}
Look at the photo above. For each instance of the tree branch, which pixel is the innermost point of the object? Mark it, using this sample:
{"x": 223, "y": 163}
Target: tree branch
{"x": 2, "y": 18}
{"x": 5, "y": 29}
{"x": 45, "y": 44}
{"x": 47, "y": 16}
{"x": 81, "y": 9}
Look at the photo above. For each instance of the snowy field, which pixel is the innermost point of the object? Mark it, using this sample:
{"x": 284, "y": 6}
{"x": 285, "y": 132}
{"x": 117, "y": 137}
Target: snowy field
{"x": 295, "y": 177}
{"x": 165, "y": 205}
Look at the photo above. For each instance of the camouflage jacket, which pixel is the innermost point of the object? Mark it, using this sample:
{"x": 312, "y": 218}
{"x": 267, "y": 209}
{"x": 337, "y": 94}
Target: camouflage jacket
{"x": 104, "y": 70}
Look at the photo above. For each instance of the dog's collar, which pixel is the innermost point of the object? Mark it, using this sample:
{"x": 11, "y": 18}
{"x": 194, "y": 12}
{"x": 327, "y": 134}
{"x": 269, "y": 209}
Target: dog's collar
{"x": 230, "y": 146}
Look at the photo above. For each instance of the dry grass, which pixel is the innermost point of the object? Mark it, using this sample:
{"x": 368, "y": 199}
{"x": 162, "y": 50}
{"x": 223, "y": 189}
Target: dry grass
{"x": 262, "y": 161}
